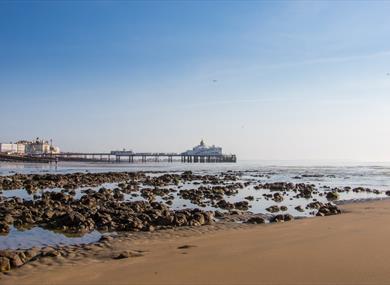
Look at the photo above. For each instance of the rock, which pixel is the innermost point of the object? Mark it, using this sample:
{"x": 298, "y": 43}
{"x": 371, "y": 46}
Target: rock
{"x": 273, "y": 209}
{"x": 328, "y": 210}
{"x": 255, "y": 220}
{"x": 4, "y": 228}
{"x": 106, "y": 238}
{"x": 122, "y": 255}
{"x": 5, "y": 264}
{"x": 31, "y": 254}
{"x": 180, "y": 220}
{"x": 127, "y": 254}
{"x": 48, "y": 214}
{"x": 48, "y": 251}
{"x": 299, "y": 209}
{"x": 387, "y": 193}
{"x": 198, "y": 217}
{"x": 186, "y": 246}
{"x": 277, "y": 197}
{"x": 8, "y": 219}
{"x": 16, "y": 260}
{"x": 225, "y": 205}
{"x": 332, "y": 196}
{"x": 236, "y": 212}
{"x": 314, "y": 205}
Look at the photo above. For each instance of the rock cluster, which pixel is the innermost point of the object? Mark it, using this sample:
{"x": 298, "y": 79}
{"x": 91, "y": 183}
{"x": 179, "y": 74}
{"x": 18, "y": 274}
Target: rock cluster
{"x": 214, "y": 196}
{"x": 303, "y": 190}
{"x": 96, "y": 210}
{"x": 281, "y": 218}
{"x": 12, "y": 259}
{"x": 33, "y": 182}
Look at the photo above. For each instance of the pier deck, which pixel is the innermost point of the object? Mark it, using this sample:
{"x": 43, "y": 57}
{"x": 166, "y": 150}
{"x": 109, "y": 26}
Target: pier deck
{"x": 143, "y": 157}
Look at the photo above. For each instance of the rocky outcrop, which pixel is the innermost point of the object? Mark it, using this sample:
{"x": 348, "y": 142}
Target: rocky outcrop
{"x": 328, "y": 210}
{"x": 97, "y": 211}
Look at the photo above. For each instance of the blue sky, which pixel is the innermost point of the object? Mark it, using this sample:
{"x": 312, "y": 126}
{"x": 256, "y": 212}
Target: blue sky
{"x": 295, "y": 80}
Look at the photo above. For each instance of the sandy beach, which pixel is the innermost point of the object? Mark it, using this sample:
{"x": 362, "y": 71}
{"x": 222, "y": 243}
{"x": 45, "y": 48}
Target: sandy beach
{"x": 219, "y": 142}
{"x": 344, "y": 249}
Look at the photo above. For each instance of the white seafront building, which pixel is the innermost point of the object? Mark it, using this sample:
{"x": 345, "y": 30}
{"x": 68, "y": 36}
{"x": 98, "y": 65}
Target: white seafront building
{"x": 13, "y": 148}
{"x": 8, "y": 148}
{"x": 203, "y": 149}
{"x": 35, "y": 147}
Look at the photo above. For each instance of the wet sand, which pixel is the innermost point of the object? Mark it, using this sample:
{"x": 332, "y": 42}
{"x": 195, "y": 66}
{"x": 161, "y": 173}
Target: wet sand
{"x": 350, "y": 248}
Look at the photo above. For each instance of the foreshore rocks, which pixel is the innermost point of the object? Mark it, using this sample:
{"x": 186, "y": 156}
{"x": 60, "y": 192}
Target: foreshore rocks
{"x": 33, "y": 182}
{"x": 98, "y": 210}
{"x": 214, "y": 196}
{"x": 106, "y": 210}
{"x": 302, "y": 190}
{"x": 56, "y": 202}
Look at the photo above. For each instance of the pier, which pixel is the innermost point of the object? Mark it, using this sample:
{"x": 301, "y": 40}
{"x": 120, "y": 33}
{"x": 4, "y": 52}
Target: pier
{"x": 42, "y": 151}
{"x": 142, "y": 157}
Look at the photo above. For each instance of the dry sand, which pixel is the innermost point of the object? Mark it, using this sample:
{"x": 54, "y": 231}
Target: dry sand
{"x": 351, "y": 248}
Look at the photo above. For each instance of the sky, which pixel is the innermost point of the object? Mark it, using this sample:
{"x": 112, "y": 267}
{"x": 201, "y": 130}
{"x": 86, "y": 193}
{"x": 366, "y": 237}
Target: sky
{"x": 272, "y": 80}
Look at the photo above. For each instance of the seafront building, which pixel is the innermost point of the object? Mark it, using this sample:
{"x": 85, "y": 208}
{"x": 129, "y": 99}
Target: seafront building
{"x": 8, "y": 148}
{"x": 203, "y": 149}
{"x": 23, "y": 147}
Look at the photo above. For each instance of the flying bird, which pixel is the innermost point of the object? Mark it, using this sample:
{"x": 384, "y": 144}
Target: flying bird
{"x": 215, "y": 80}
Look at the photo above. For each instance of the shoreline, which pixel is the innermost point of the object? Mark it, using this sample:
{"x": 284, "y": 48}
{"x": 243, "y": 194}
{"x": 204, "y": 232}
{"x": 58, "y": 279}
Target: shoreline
{"x": 343, "y": 249}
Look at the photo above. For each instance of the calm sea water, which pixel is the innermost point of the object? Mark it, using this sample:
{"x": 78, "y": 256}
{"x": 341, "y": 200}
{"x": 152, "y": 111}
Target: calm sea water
{"x": 373, "y": 175}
